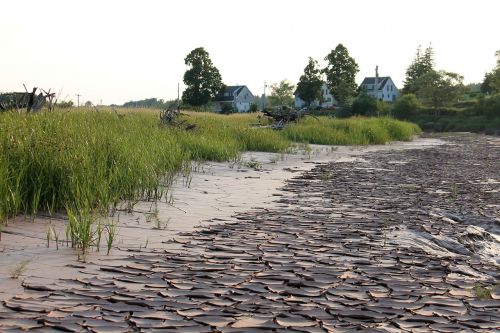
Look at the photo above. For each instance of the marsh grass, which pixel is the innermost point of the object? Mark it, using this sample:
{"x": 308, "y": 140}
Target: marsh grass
{"x": 253, "y": 164}
{"x": 111, "y": 233}
{"x": 86, "y": 163}
{"x": 482, "y": 292}
{"x": 352, "y": 131}
{"x": 453, "y": 192}
{"x": 19, "y": 269}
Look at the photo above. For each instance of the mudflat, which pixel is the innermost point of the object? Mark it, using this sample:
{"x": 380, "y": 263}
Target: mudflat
{"x": 396, "y": 240}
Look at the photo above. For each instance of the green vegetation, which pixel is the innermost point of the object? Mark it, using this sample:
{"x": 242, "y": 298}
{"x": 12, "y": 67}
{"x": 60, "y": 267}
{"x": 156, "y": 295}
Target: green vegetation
{"x": 482, "y": 292}
{"x": 88, "y": 164}
{"x": 203, "y": 80}
{"x": 151, "y": 103}
{"x": 475, "y": 115}
{"x": 421, "y": 65}
{"x": 281, "y": 94}
{"x": 340, "y": 73}
{"x": 309, "y": 86}
{"x": 19, "y": 269}
{"x": 491, "y": 83}
{"x": 438, "y": 101}
{"x": 352, "y": 131}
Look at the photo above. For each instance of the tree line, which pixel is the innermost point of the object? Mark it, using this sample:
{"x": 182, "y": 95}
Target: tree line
{"x": 424, "y": 85}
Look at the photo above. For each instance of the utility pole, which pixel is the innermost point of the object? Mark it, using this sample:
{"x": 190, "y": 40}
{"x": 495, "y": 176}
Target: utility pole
{"x": 78, "y": 103}
{"x": 178, "y": 99}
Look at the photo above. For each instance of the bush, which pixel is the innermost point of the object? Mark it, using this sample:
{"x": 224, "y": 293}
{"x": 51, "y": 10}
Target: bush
{"x": 364, "y": 105}
{"x": 65, "y": 104}
{"x": 490, "y": 107}
{"x": 407, "y": 106}
{"x": 383, "y": 109}
{"x": 227, "y": 108}
{"x": 254, "y": 107}
{"x": 344, "y": 112}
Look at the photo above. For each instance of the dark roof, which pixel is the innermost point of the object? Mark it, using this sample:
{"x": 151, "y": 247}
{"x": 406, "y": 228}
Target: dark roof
{"x": 382, "y": 80}
{"x": 232, "y": 90}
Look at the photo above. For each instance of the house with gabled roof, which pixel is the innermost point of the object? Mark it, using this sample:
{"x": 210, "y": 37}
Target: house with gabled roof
{"x": 380, "y": 87}
{"x": 239, "y": 98}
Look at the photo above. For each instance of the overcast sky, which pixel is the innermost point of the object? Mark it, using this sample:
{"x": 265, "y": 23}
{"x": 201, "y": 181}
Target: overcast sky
{"x": 116, "y": 51}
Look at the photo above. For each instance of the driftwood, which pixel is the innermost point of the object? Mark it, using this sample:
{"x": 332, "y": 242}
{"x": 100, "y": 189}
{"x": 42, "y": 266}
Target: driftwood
{"x": 171, "y": 118}
{"x": 31, "y": 101}
{"x": 284, "y": 116}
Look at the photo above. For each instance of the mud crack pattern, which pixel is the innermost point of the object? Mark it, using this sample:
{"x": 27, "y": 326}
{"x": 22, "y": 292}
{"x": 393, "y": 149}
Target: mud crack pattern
{"x": 381, "y": 246}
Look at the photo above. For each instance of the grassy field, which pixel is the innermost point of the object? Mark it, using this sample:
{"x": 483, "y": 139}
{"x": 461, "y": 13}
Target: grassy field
{"x": 85, "y": 162}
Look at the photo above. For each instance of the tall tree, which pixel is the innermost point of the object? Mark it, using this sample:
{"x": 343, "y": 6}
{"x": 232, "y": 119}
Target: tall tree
{"x": 439, "y": 88}
{"x": 491, "y": 83}
{"x": 281, "y": 94}
{"x": 309, "y": 86}
{"x": 202, "y": 78}
{"x": 340, "y": 74}
{"x": 421, "y": 65}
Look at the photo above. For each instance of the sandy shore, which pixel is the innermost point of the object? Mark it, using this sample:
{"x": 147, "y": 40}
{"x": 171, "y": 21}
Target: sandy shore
{"x": 392, "y": 237}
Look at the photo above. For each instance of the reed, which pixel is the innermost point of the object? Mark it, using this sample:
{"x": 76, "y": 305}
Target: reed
{"x": 352, "y": 131}
{"x": 86, "y": 163}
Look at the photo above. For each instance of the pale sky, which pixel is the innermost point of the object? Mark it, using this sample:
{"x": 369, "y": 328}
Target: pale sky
{"x": 116, "y": 51}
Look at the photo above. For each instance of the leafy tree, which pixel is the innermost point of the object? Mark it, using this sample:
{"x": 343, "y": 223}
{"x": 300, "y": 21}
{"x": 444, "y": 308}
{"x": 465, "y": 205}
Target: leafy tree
{"x": 254, "y": 107}
{"x": 439, "y": 88}
{"x": 150, "y": 103}
{"x": 421, "y": 65}
{"x": 65, "y": 104}
{"x": 202, "y": 79}
{"x": 406, "y": 106}
{"x": 310, "y": 83}
{"x": 491, "y": 83}
{"x": 489, "y": 106}
{"x": 281, "y": 93}
{"x": 340, "y": 74}
{"x": 488, "y": 85}
{"x": 364, "y": 105}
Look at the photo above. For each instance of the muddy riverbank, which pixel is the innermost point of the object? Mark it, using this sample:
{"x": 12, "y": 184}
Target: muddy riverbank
{"x": 385, "y": 239}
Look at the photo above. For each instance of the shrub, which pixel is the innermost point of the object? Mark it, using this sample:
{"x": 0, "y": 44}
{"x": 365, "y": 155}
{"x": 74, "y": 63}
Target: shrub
{"x": 490, "y": 106}
{"x": 227, "y": 109}
{"x": 364, "y": 105}
{"x": 383, "y": 108}
{"x": 65, "y": 104}
{"x": 406, "y": 107}
{"x": 254, "y": 107}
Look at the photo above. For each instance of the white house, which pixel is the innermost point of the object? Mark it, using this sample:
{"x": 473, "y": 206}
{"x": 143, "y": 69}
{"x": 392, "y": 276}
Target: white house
{"x": 327, "y": 100}
{"x": 238, "y": 97}
{"x": 380, "y": 87}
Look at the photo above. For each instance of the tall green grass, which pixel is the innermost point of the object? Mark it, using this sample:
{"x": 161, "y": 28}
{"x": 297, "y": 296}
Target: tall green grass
{"x": 86, "y": 162}
{"x": 352, "y": 131}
